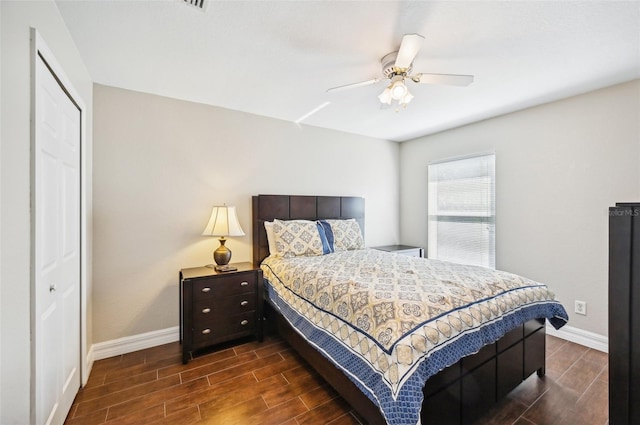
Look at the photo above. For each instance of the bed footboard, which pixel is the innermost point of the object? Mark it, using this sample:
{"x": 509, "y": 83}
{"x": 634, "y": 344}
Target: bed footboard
{"x": 459, "y": 394}
{"x": 463, "y": 392}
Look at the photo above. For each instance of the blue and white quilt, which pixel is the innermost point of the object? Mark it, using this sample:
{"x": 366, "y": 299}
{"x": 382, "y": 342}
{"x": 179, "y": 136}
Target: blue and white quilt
{"x": 389, "y": 321}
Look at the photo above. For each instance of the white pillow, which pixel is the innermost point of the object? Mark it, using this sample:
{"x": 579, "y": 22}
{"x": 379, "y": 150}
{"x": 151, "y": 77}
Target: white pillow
{"x": 271, "y": 239}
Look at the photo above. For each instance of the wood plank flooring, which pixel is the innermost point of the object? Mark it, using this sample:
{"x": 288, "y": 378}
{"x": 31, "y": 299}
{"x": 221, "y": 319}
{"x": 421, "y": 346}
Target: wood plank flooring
{"x": 268, "y": 383}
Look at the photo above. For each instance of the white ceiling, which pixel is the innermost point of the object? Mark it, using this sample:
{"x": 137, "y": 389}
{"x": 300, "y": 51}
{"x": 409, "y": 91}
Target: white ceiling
{"x": 278, "y": 58}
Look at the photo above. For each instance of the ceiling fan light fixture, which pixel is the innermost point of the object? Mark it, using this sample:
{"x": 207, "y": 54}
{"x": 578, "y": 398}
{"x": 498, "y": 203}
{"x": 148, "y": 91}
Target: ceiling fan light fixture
{"x": 406, "y": 99}
{"x": 398, "y": 89}
{"x": 385, "y": 96}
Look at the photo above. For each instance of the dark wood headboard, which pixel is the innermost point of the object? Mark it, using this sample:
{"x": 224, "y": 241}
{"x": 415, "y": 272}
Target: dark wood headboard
{"x": 292, "y": 207}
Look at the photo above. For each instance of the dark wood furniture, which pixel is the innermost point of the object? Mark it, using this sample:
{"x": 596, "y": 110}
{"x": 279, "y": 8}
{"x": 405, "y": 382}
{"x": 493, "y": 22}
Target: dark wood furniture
{"x": 457, "y": 395}
{"x": 624, "y": 314}
{"x": 412, "y": 251}
{"x": 217, "y": 307}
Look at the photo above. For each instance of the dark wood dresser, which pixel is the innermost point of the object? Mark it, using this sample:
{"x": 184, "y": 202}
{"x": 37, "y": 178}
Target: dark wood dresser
{"x": 624, "y": 314}
{"x": 217, "y": 307}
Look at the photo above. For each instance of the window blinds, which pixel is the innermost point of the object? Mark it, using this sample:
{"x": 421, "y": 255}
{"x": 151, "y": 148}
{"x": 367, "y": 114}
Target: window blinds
{"x": 462, "y": 211}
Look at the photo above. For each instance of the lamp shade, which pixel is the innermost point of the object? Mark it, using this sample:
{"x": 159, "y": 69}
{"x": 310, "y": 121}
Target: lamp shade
{"x": 385, "y": 96}
{"x": 405, "y": 99}
{"x": 223, "y": 222}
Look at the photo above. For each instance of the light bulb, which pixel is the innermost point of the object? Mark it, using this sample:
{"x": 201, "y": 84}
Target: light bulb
{"x": 398, "y": 90}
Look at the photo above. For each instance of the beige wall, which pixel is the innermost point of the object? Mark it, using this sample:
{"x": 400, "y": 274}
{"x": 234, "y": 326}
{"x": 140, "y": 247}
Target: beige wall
{"x": 559, "y": 167}
{"x": 160, "y": 164}
{"x": 17, "y": 18}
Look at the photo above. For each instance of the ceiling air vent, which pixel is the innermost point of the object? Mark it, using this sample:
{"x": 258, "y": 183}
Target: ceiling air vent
{"x": 196, "y": 3}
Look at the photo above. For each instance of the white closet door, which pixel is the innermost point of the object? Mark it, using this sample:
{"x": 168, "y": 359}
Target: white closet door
{"x": 56, "y": 212}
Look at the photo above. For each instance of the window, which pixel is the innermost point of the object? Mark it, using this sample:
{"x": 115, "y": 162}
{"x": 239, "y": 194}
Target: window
{"x": 462, "y": 223}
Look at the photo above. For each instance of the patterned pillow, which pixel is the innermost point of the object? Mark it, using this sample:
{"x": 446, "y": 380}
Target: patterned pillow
{"x": 296, "y": 238}
{"x": 346, "y": 234}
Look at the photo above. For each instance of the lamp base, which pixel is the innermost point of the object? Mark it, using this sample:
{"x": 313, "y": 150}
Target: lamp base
{"x": 222, "y": 255}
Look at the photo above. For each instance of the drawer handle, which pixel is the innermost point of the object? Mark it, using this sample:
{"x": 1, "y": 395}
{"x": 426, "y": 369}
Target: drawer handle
{"x": 243, "y": 303}
{"x": 244, "y": 284}
{"x": 206, "y": 331}
{"x": 244, "y": 322}
{"x": 207, "y": 289}
{"x": 206, "y": 310}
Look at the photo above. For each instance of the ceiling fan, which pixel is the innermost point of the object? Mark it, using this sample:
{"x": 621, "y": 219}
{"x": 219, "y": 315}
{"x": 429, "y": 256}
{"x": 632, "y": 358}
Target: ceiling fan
{"x": 397, "y": 67}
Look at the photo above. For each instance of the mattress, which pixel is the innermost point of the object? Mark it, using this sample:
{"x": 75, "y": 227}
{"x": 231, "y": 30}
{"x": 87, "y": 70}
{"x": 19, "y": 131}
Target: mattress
{"x": 389, "y": 322}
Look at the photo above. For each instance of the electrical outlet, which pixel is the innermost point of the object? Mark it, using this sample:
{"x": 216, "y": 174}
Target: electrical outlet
{"x": 581, "y": 307}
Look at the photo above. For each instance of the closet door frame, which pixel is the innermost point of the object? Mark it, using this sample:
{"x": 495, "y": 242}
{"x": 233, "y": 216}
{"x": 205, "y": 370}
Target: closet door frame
{"x": 40, "y": 48}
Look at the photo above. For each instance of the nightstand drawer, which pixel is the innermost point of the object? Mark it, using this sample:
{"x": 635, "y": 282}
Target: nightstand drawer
{"x": 237, "y": 303}
{"x": 416, "y": 252}
{"x": 238, "y": 284}
{"x": 230, "y": 285}
{"x": 224, "y": 306}
{"x": 225, "y": 327}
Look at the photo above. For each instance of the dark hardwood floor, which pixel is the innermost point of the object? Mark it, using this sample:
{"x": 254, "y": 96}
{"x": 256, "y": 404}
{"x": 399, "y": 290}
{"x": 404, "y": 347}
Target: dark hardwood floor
{"x": 267, "y": 383}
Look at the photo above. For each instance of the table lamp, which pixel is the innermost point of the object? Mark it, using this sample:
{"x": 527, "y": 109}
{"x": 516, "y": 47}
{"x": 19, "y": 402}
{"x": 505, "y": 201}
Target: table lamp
{"x": 223, "y": 222}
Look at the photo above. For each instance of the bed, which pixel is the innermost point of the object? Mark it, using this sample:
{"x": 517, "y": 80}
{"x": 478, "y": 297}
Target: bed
{"x": 404, "y": 376}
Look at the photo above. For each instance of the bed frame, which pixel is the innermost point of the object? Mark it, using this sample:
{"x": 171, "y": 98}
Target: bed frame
{"x": 459, "y": 394}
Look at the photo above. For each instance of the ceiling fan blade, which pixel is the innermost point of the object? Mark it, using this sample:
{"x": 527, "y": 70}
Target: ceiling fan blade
{"x": 446, "y": 79}
{"x": 354, "y": 85}
{"x": 409, "y": 48}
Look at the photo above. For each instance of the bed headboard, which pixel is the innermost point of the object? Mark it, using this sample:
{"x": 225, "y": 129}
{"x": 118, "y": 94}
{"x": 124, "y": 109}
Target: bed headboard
{"x": 293, "y": 207}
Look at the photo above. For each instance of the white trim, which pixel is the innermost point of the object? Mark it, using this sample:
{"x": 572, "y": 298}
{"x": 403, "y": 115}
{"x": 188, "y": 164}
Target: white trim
{"x": 39, "y": 46}
{"x": 582, "y": 337}
{"x": 89, "y": 363}
{"x": 128, "y": 344}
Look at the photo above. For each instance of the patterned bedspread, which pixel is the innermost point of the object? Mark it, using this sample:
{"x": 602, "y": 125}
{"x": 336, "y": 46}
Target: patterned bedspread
{"x": 391, "y": 321}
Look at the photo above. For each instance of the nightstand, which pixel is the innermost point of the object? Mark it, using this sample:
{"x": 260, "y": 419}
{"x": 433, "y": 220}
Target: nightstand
{"x": 412, "y": 251}
{"x": 217, "y": 307}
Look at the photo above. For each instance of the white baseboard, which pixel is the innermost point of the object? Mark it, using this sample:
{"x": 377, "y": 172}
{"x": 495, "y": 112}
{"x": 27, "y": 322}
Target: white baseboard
{"x": 579, "y": 336}
{"x": 116, "y": 347}
{"x": 128, "y": 344}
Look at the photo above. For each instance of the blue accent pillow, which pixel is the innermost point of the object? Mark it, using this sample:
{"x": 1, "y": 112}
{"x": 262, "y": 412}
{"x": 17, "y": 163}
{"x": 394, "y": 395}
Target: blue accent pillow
{"x": 326, "y": 236}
